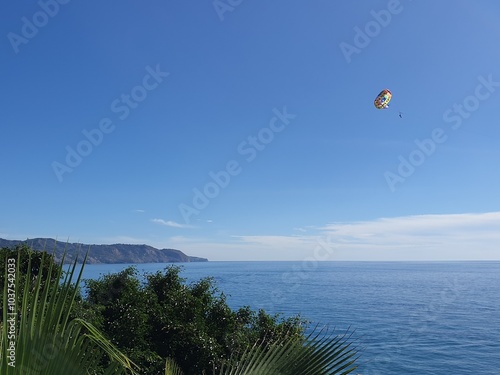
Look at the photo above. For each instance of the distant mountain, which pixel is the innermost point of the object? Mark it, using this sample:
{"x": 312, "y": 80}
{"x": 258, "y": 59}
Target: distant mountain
{"x": 117, "y": 253}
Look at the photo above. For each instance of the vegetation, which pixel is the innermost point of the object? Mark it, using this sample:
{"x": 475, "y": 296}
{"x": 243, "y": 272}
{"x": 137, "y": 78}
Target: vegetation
{"x": 164, "y": 317}
{"x": 157, "y": 324}
{"x": 37, "y": 335}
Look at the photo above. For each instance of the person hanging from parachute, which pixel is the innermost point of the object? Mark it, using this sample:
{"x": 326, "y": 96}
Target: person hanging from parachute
{"x": 382, "y": 100}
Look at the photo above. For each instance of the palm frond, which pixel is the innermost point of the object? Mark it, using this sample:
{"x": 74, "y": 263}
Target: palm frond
{"x": 45, "y": 339}
{"x": 321, "y": 353}
{"x": 171, "y": 368}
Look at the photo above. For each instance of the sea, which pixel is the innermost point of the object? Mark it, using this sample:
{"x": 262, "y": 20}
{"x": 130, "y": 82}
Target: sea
{"x": 422, "y": 318}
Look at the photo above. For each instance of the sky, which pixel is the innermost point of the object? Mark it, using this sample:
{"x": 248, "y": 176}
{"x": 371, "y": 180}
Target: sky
{"x": 246, "y": 130}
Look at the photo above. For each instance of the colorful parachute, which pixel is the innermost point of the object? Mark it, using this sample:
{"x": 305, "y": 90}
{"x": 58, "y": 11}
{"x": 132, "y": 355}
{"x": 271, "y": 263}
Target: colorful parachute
{"x": 383, "y": 99}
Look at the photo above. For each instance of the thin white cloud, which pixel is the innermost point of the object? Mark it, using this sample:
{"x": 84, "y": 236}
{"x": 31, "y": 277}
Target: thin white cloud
{"x": 276, "y": 241}
{"x": 170, "y": 223}
{"x": 302, "y": 230}
{"x": 139, "y": 211}
{"x": 419, "y": 226}
{"x": 420, "y": 237}
{"x": 470, "y": 236}
{"x": 246, "y": 247}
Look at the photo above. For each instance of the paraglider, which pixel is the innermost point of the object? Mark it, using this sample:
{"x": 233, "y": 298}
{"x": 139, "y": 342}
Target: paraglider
{"x": 382, "y": 100}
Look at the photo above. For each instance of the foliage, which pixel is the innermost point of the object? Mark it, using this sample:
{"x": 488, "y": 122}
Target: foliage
{"x": 166, "y": 317}
{"x": 320, "y": 353}
{"x": 37, "y": 335}
{"x": 28, "y": 260}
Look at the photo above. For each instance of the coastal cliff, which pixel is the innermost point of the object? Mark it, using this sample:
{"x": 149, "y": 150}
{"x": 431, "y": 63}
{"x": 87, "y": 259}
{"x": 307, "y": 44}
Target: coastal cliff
{"x": 116, "y": 253}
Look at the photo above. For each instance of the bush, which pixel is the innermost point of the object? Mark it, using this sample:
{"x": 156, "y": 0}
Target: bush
{"x": 164, "y": 317}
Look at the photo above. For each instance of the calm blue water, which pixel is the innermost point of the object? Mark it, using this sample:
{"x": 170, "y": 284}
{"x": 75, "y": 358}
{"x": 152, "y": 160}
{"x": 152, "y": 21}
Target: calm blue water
{"x": 411, "y": 318}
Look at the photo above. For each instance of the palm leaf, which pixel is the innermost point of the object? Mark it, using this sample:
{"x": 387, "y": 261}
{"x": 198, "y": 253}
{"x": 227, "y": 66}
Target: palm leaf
{"x": 43, "y": 339}
{"x": 171, "y": 368}
{"x": 320, "y": 353}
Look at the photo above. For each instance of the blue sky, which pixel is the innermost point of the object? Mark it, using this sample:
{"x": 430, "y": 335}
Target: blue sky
{"x": 245, "y": 130}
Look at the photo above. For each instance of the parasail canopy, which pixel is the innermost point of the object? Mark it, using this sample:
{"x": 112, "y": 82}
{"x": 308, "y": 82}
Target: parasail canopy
{"x": 382, "y": 100}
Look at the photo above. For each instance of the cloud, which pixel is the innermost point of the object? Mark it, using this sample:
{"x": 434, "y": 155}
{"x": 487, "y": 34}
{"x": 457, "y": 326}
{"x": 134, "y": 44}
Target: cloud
{"x": 417, "y": 227}
{"x": 420, "y": 237}
{"x": 284, "y": 242}
{"x": 447, "y": 237}
{"x": 170, "y": 223}
{"x": 303, "y": 230}
{"x": 139, "y": 211}
{"x": 245, "y": 248}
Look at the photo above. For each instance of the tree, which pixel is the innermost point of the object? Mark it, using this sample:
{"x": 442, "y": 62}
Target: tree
{"x": 118, "y": 306}
{"x": 29, "y": 262}
{"x": 163, "y": 316}
{"x": 37, "y": 335}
